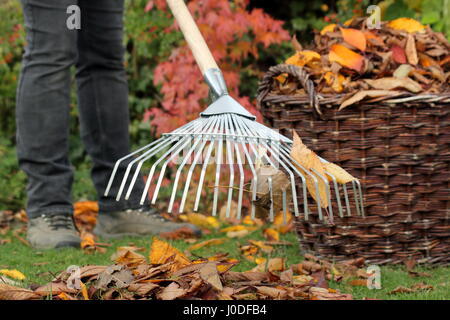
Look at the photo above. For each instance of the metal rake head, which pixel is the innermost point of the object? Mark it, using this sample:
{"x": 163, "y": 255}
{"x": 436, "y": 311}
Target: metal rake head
{"x": 232, "y": 142}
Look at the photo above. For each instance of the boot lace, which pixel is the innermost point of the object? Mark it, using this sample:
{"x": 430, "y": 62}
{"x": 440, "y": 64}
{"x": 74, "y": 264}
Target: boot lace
{"x": 57, "y": 222}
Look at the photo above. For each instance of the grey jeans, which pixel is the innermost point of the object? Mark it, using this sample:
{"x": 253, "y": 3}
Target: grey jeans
{"x": 43, "y": 101}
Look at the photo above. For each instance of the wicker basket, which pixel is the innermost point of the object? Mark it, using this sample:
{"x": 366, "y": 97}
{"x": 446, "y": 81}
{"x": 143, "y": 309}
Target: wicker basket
{"x": 400, "y": 149}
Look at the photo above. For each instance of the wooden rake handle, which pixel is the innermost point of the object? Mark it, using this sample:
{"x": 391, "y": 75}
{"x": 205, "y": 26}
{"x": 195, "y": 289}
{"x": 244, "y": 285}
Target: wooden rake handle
{"x": 194, "y": 38}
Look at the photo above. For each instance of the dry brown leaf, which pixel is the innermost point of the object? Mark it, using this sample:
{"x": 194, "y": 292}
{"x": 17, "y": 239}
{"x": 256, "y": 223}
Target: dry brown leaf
{"x": 261, "y": 245}
{"x": 172, "y": 292}
{"x": 389, "y": 83}
{"x": 180, "y": 233}
{"x": 310, "y": 161}
{"x": 210, "y": 275}
{"x": 8, "y": 292}
{"x": 340, "y": 174}
{"x": 126, "y": 256}
{"x": 142, "y": 289}
{"x": 274, "y": 293}
{"x": 276, "y": 264}
{"x": 358, "y": 283}
{"x": 360, "y": 95}
{"x": 410, "y": 50}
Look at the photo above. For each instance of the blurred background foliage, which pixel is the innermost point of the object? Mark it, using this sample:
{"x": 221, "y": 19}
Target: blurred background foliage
{"x": 149, "y": 43}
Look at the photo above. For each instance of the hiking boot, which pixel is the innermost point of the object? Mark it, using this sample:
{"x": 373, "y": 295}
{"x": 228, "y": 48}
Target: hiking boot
{"x": 53, "y": 231}
{"x": 138, "y": 222}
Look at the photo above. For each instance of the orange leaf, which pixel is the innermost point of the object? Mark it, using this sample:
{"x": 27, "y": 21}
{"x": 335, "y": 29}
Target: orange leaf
{"x": 87, "y": 240}
{"x": 354, "y": 37}
{"x": 161, "y": 252}
{"x": 346, "y": 57}
{"x": 406, "y": 24}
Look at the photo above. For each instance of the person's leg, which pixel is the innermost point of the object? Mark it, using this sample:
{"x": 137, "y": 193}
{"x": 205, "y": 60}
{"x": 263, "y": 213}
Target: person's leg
{"x": 103, "y": 102}
{"x": 103, "y": 96}
{"x": 42, "y": 114}
{"x": 42, "y": 111}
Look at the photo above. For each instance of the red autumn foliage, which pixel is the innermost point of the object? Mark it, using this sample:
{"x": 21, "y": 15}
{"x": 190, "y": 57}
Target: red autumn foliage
{"x": 232, "y": 33}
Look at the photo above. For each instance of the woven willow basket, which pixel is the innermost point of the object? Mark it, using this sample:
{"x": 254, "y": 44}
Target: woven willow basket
{"x": 399, "y": 147}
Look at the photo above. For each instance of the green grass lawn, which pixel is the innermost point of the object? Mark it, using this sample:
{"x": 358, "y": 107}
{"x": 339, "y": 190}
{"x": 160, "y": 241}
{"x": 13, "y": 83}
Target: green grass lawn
{"x": 40, "y": 266}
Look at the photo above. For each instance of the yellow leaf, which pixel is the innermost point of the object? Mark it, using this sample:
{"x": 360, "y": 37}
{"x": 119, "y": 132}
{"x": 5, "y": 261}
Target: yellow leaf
{"x": 15, "y": 274}
{"x": 309, "y": 160}
{"x": 328, "y": 28}
{"x": 161, "y": 252}
{"x": 334, "y": 81}
{"x": 348, "y": 22}
{"x": 201, "y": 221}
{"x": 207, "y": 243}
{"x": 279, "y": 218}
{"x": 84, "y": 291}
{"x": 340, "y": 174}
{"x": 248, "y": 220}
{"x": 346, "y": 57}
{"x": 260, "y": 260}
{"x": 406, "y": 24}
{"x": 239, "y": 227}
{"x": 63, "y": 296}
{"x": 302, "y": 58}
{"x": 354, "y": 37}
{"x": 271, "y": 234}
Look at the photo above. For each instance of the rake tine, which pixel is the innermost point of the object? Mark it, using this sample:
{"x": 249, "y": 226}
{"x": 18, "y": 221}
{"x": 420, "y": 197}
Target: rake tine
{"x": 241, "y": 170}
{"x": 327, "y": 191}
{"x": 118, "y": 162}
{"x": 230, "y": 163}
{"x": 360, "y": 197}
{"x": 202, "y": 175}
{"x": 355, "y": 194}
{"x": 347, "y": 202}
{"x": 144, "y": 157}
{"x": 207, "y": 126}
{"x": 193, "y": 165}
{"x": 291, "y": 175}
{"x": 164, "y": 142}
{"x": 316, "y": 184}
{"x": 269, "y": 182}
{"x": 218, "y": 158}
{"x": 183, "y": 163}
{"x": 175, "y": 150}
{"x": 284, "y": 206}
{"x": 338, "y": 197}
{"x": 250, "y": 163}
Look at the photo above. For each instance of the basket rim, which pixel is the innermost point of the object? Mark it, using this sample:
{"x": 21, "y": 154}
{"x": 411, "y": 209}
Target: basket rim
{"x": 266, "y": 95}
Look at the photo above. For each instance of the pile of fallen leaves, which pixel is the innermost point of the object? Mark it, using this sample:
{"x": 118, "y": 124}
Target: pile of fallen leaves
{"x": 401, "y": 56}
{"x": 168, "y": 274}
